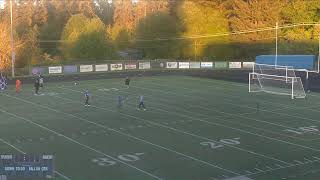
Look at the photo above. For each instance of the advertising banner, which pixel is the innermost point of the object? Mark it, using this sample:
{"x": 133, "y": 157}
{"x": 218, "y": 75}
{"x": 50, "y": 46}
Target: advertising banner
{"x": 206, "y": 64}
{"x": 195, "y": 65}
{"x": 144, "y": 65}
{"x": 86, "y": 68}
{"x": 130, "y": 66}
{"x": 116, "y": 67}
{"x": 234, "y": 65}
{"x": 221, "y": 65}
{"x": 55, "y": 70}
{"x": 101, "y": 67}
{"x": 69, "y": 69}
{"x": 172, "y": 65}
{"x": 247, "y": 65}
{"x": 184, "y": 65}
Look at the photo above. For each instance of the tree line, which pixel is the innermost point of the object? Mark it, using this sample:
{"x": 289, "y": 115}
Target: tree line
{"x": 57, "y": 31}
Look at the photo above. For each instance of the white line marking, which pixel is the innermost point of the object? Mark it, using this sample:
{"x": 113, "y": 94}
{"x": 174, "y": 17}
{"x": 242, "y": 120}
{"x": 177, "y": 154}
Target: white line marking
{"x": 184, "y": 132}
{"x": 83, "y": 145}
{"x": 128, "y": 135}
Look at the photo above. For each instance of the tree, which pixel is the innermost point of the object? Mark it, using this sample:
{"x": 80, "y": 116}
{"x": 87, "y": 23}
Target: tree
{"x": 155, "y": 36}
{"x": 5, "y": 47}
{"x": 86, "y": 38}
{"x": 201, "y": 18}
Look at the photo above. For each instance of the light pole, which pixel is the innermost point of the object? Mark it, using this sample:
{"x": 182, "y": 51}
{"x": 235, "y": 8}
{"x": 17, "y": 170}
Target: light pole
{"x": 13, "y": 55}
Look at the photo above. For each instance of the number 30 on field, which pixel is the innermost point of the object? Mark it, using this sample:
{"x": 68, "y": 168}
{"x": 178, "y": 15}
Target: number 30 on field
{"x": 221, "y": 143}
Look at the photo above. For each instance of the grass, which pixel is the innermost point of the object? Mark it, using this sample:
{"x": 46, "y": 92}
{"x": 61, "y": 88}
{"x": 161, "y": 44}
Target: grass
{"x": 193, "y": 129}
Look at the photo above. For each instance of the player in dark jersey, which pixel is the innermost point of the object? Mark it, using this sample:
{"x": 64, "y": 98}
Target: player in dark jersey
{"x": 87, "y": 98}
{"x": 127, "y": 82}
{"x": 36, "y": 86}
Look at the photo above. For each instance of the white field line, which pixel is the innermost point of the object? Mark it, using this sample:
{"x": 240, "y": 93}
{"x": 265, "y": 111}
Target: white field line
{"x": 22, "y": 152}
{"x": 124, "y": 134}
{"x": 83, "y": 145}
{"x": 184, "y": 132}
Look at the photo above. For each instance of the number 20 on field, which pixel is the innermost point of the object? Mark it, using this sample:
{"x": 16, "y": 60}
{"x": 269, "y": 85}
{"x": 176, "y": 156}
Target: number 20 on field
{"x": 221, "y": 143}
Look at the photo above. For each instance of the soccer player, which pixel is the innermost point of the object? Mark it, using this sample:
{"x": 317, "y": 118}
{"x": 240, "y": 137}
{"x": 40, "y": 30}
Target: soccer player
{"x": 41, "y": 81}
{"x": 120, "y": 101}
{"x": 87, "y": 98}
{"x": 36, "y": 86}
{"x": 141, "y": 103}
{"x": 18, "y": 86}
{"x": 3, "y": 82}
{"x": 127, "y": 82}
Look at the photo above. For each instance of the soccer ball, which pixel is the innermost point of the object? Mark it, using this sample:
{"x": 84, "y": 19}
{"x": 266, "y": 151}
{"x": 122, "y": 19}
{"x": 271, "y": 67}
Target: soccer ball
{"x": 75, "y": 83}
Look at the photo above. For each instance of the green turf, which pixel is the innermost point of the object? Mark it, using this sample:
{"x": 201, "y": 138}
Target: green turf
{"x": 193, "y": 129}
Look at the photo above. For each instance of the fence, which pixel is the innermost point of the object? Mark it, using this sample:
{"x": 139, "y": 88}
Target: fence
{"x": 114, "y": 66}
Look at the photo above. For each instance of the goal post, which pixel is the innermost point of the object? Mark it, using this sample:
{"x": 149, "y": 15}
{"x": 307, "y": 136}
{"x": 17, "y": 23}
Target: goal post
{"x": 274, "y": 84}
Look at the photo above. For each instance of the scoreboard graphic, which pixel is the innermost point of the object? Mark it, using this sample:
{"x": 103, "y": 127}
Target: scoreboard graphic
{"x": 26, "y": 166}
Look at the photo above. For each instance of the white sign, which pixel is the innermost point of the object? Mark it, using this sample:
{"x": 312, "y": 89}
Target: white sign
{"x": 55, "y": 70}
{"x": 86, "y": 68}
{"x": 206, "y": 64}
{"x": 184, "y": 65}
{"x": 172, "y": 65}
{"x": 102, "y": 67}
{"x": 144, "y": 65}
{"x": 234, "y": 65}
{"x": 248, "y": 65}
{"x": 116, "y": 67}
{"x": 194, "y": 65}
{"x": 130, "y": 66}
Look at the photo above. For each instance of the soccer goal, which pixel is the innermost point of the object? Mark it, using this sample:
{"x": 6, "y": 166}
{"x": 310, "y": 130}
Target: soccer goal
{"x": 276, "y": 79}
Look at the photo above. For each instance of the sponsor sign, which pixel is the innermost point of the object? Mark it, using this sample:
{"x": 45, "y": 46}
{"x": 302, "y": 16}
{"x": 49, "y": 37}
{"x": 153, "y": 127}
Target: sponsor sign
{"x": 234, "y": 65}
{"x": 39, "y": 70}
{"x": 70, "y": 69}
{"x": 130, "y": 66}
{"x": 206, "y": 64}
{"x": 101, "y": 67}
{"x": 221, "y": 65}
{"x": 144, "y": 65}
{"x": 86, "y": 68}
{"x": 172, "y": 65}
{"x": 184, "y": 65}
{"x": 116, "y": 67}
{"x": 195, "y": 65}
{"x": 55, "y": 70}
{"x": 248, "y": 65}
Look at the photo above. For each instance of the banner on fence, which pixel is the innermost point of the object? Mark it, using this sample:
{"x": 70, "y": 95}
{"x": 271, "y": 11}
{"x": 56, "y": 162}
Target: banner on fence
{"x": 248, "y": 65}
{"x": 39, "y": 70}
{"x": 116, "y": 67}
{"x": 195, "y": 65}
{"x": 172, "y": 65}
{"x": 144, "y": 65}
{"x": 55, "y": 70}
{"x": 101, "y": 67}
{"x": 69, "y": 69}
{"x": 206, "y": 64}
{"x": 234, "y": 65}
{"x": 86, "y": 68}
{"x": 221, "y": 65}
{"x": 130, "y": 66}
{"x": 184, "y": 65}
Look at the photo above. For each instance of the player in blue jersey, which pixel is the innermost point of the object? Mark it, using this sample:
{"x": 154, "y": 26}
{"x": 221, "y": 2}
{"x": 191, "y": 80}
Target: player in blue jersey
{"x": 141, "y": 103}
{"x": 87, "y": 98}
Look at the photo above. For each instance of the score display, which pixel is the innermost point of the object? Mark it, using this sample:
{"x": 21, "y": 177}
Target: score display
{"x": 28, "y": 166}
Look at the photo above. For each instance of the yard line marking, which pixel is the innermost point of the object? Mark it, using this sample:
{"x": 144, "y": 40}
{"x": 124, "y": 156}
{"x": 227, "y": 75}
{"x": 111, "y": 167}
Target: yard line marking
{"x": 268, "y": 167}
{"x": 128, "y": 135}
{"x": 232, "y": 103}
{"x": 228, "y": 114}
{"x": 258, "y": 169}
{"x": 22, "y": 152}
{"x": 299, "y": 162}
{"x": 83, "y": 145}
{"x": 185, "y": 132}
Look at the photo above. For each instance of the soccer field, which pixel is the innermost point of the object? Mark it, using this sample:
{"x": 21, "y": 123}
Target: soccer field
{"x": 193, "y": 129}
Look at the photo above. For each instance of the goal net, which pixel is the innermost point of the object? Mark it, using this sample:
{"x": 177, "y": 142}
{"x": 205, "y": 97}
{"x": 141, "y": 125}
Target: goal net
{"x": 276, "y": 80}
